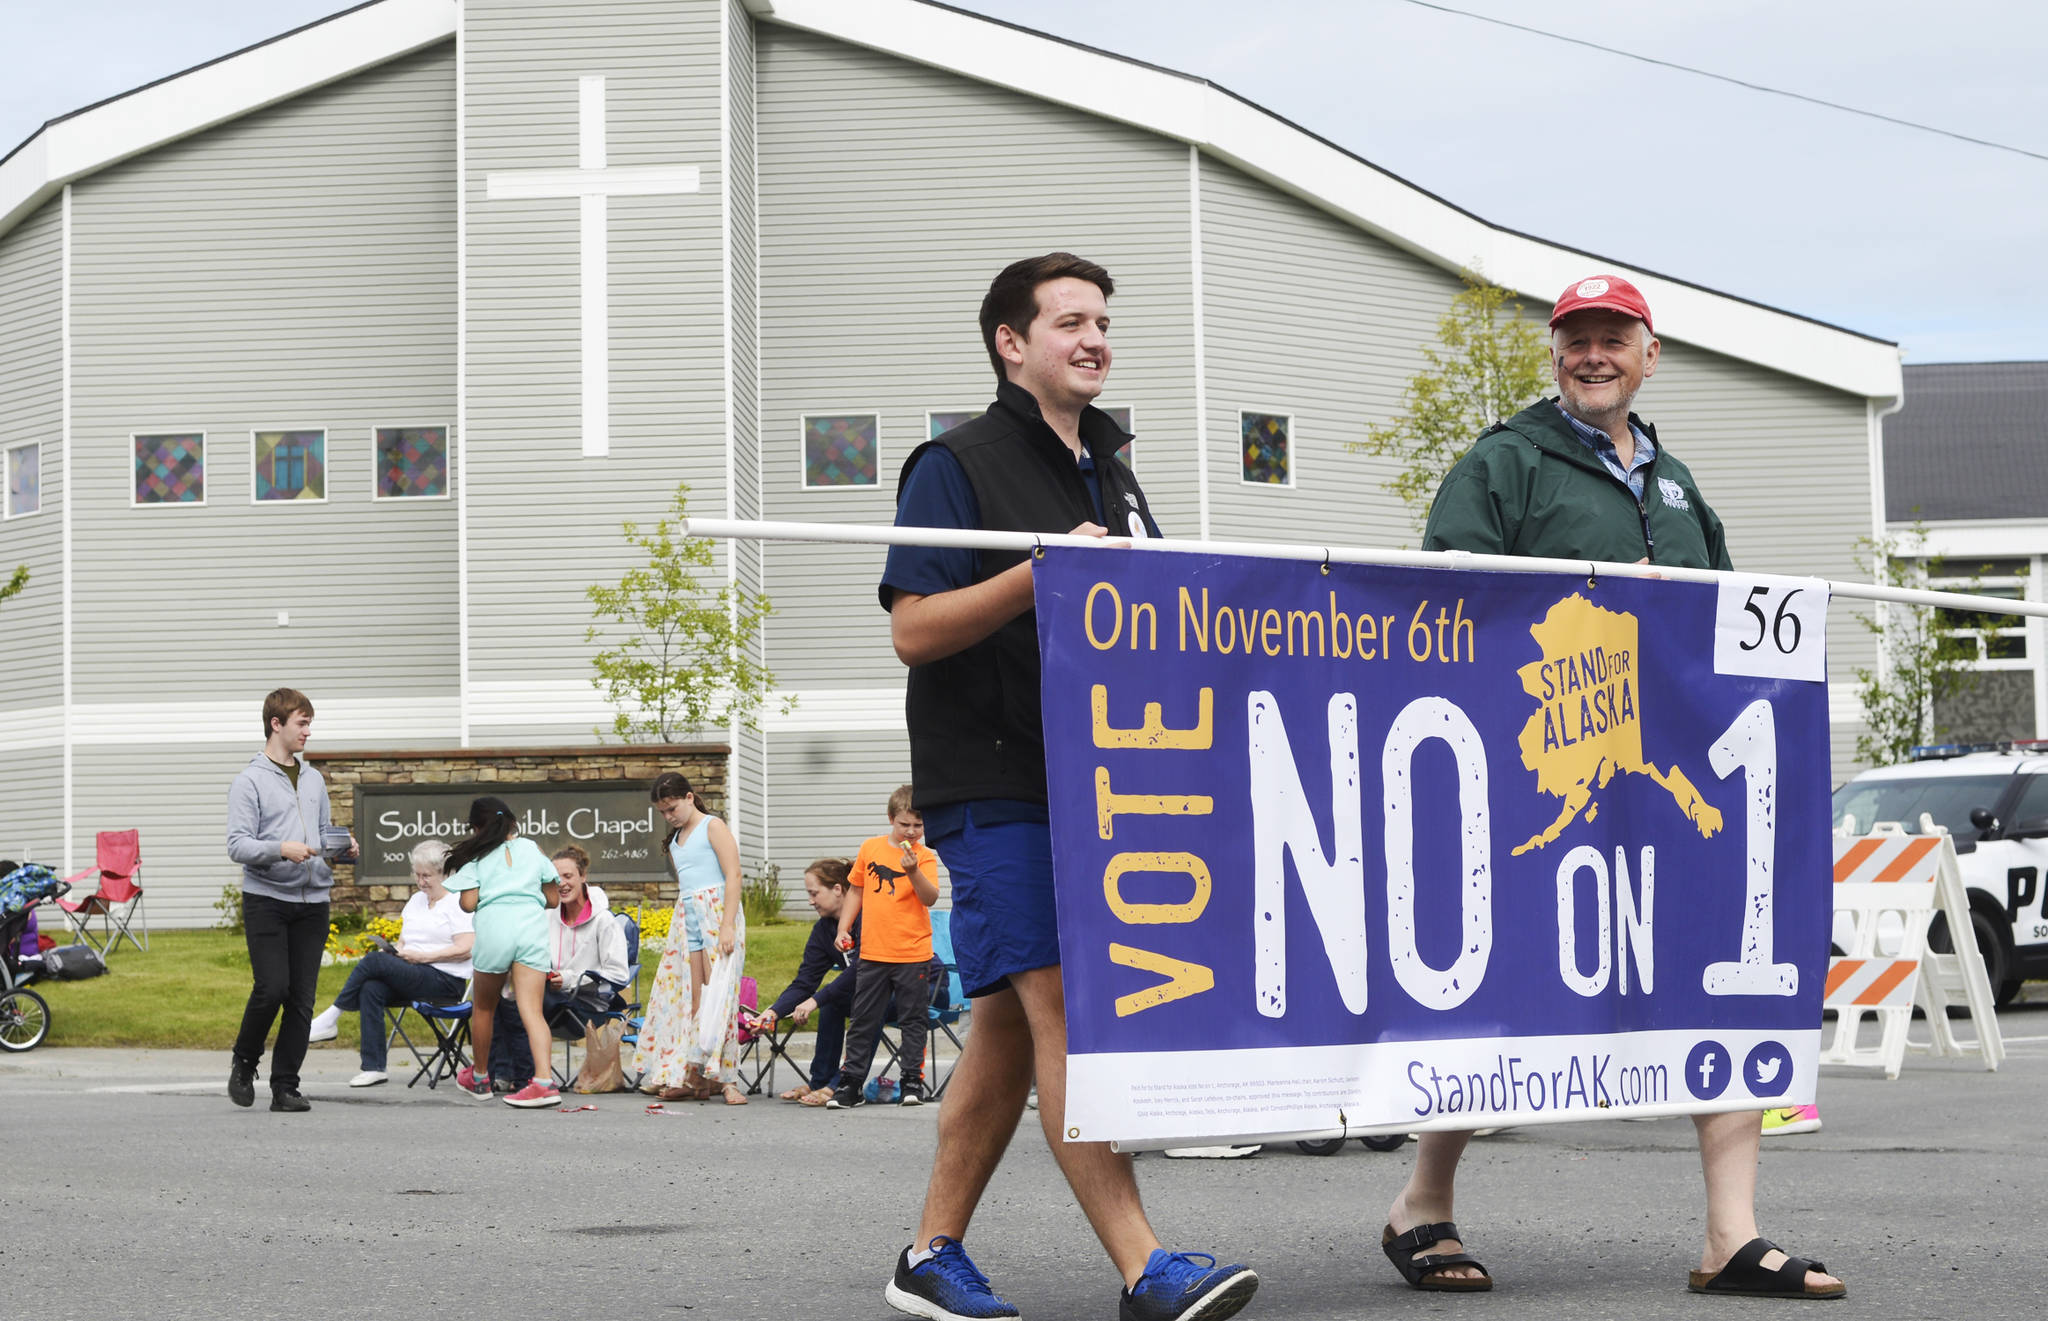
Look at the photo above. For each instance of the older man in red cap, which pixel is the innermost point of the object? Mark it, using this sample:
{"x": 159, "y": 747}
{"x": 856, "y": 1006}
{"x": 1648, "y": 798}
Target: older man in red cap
{"x": 1581, "y": 477}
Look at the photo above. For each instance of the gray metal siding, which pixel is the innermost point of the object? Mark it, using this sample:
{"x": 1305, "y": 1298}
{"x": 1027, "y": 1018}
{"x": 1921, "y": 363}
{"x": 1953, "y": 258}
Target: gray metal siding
{"x": 831, "y": 794}
{"x": 292, "y": 268}
{"x": 182, "y": 819}
{"x": 1304, "y": 314}
{"x": 890, "y": 195}
{"x": 544, "y": 521}
{"x": 32, "y": 409}
{"x": 32, "y": 807}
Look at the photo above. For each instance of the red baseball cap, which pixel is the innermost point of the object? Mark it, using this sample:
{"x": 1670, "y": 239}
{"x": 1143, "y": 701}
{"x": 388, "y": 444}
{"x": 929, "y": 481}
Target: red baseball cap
{"x": 1608, "y": 291}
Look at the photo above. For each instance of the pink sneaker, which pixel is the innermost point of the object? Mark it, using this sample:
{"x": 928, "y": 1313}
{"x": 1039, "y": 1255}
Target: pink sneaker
{"x": 535, "y": 1095}
{"x": 471, "y": 1083}
{"x": 1791, "y": 1119}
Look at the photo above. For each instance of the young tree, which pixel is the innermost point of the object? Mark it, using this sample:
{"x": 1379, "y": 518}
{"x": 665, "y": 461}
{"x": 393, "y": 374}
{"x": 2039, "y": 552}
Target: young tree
{"x": 1920, "y": 658}
{"x": 682, "y": 660}
{"x": 1489, "y": 363}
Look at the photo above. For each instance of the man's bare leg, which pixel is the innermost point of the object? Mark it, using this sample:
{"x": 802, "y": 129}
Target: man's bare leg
{"x": 1728, "y": 1153}
{"x": 1430, "y": 1192}
{"x": 984, "y": 1100}
{"x": 1104, "y": 1181}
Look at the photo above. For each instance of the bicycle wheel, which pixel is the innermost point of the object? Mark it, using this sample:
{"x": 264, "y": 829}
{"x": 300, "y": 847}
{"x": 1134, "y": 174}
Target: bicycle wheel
{"x": 24, "y": 1019}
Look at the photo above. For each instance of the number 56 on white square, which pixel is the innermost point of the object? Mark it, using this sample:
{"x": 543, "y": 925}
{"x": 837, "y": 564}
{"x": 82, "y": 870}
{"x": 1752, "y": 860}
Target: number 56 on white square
{"x": 1772, "y": 628}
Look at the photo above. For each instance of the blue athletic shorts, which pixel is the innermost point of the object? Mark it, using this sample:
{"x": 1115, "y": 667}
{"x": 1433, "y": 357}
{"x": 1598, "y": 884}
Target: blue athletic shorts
{"x": 1003, "y": 915}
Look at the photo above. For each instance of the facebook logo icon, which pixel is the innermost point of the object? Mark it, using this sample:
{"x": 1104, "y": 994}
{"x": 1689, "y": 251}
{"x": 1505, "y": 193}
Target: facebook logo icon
{"x": 1708, "y": 1069}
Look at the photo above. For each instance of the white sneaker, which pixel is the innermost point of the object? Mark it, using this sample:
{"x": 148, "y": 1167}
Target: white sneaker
{"x": 1211, "y": 1153}
{"x": 322, "y": 1032}
{"x": 369, "y": 1078}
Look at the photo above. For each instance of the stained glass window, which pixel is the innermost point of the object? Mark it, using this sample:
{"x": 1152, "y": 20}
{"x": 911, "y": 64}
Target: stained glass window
{"x": 412, "y": 463}
{"x": 1121, "y": 415}
{"x": 842, "y": 449}
{"x": 24, "y": 480}
{"x": 171, "y": 469}
{"x": 939, "y": 423}
{"x": 291, "y": 465}
{"x": 1267, "y": 448}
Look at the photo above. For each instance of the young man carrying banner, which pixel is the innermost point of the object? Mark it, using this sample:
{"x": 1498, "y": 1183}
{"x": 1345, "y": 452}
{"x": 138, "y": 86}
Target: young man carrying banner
{"x": 1581, "y": 477}
{"x": 1042, "y": 459}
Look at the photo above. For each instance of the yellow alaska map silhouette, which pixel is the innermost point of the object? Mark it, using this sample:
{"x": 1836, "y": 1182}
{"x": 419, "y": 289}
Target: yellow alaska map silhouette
{"x": 1590, "y": 725}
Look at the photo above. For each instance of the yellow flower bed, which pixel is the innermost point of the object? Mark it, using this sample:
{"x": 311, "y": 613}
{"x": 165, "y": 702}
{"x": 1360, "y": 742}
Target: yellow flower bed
{"x": 653, "y": 922}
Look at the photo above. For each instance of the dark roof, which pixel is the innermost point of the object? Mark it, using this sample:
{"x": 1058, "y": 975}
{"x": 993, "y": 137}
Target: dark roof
{"x": 1971, "y": 442}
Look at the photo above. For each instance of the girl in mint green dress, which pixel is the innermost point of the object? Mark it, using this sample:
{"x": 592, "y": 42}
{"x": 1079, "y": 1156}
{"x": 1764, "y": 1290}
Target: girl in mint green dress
{"x": 510, "y": 885}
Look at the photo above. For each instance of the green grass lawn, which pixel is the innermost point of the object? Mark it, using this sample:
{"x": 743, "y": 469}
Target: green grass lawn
{"x": 188, "y": 990}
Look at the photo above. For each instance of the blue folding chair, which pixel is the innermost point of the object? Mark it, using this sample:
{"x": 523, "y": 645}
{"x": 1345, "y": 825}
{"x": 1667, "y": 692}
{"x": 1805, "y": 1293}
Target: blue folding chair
{"x": 955, "y": 1009}
{"x": 624, "y": 1001}
{"x": 450, "y": 1026}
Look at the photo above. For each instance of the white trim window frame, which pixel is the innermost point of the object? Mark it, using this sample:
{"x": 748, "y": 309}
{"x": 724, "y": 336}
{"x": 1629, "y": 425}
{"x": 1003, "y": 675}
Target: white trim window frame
{"x": 8, "y": 513}
{"x": 2013, "y": 585}
{"x": 326, "y": 467}
{"x": 971, "y": 411}
{"x": 803, "y": 455}
{"x": 1293, "y": 449}
{"x": 447, "y": 462}
{"x": 1130, "y": 450}
{"x": 160, "y": 433}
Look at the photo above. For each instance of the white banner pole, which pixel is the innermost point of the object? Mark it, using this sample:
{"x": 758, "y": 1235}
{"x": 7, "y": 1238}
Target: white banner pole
{"x": 949, "y": 539}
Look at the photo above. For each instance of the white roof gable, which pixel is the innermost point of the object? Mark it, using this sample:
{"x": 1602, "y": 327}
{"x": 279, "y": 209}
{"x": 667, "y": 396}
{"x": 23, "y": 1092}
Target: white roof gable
{"x": 1174, "y": 105}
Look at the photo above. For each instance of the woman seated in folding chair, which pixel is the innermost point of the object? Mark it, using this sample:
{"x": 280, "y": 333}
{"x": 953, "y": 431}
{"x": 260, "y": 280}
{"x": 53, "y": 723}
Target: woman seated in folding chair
{"x": 589, "y": 953}
{"x": 826, "y": 883}
{"x": 510, "y": 885}
{"x": 430, "y": 962}
{"x": 689, "y": 1045}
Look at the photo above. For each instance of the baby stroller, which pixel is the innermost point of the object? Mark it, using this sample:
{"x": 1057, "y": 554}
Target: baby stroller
{"x": 24, "y": 1015}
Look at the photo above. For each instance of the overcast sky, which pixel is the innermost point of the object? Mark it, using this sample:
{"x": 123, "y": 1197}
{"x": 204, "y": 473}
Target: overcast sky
{"x": 1933, "y": 242}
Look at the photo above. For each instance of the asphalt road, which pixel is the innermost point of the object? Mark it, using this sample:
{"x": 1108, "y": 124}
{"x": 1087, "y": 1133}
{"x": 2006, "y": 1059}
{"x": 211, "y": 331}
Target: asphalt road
{"x": 134, "y": 1189}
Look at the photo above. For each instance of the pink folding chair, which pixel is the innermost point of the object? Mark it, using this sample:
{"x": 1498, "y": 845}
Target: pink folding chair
{"x": 117, "y": 901}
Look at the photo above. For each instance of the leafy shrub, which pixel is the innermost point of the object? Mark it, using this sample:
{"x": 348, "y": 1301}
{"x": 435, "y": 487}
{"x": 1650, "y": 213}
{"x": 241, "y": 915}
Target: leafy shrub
{"x": 761, "y": 894}
{"x": 229, "y": 906}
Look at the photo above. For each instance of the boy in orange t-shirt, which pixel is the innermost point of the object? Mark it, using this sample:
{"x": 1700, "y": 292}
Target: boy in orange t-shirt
{"x": 895, "y": 883}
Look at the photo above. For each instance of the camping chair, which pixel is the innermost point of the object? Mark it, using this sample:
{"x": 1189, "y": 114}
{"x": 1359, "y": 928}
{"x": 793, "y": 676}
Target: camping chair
{"x": 450, "y": 1025}
{"x": 118, "y": 900}
{"x": 760, "y": 1050}
{"x": 948, "y": 1004}
{"x": 621, "y": 1003}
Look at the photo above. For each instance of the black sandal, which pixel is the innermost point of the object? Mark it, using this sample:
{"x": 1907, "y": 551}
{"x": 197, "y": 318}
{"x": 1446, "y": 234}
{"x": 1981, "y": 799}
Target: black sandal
{"x": 1745, "y": 1277}
{"x": 1418, "y": 1271}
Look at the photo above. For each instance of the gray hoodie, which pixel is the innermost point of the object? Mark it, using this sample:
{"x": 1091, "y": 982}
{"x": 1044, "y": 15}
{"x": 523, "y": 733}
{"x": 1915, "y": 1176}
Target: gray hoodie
{"x": 263, "y": 813}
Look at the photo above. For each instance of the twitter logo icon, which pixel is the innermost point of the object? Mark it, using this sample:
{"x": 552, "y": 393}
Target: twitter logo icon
{"x": 1768, "y": 1070}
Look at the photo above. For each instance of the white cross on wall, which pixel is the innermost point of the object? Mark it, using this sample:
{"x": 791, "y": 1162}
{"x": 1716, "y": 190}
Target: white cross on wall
{"x": 592, "y": 182}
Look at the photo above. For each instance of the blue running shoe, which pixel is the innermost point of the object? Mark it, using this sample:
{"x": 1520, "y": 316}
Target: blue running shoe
{"x": 1183, "y": 1286}
{"x": 946, "y": 1287}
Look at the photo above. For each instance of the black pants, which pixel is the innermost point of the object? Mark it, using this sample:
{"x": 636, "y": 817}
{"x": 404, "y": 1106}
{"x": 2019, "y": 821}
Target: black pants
{"x": 285, "y": 944}
{"x": 912, "y": 985}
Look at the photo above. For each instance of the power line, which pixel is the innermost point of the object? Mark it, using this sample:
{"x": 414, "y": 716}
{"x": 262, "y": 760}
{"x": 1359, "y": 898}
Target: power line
{"x": 1724, "y": 78}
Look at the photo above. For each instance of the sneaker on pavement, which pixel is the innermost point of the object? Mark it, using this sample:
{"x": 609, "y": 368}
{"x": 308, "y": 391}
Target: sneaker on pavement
{"x": 1213, "y": 1153}
{"x": 913, "y": 1092}
{"x": 1183, "y": 1286}
{"x": 289, "y": 1103}
{"x": 535, "y": 1095}
{"x": 471, "y": 1083}
{"x": 369, "y": 1078}
{"x": 242, "y": 1085}
{"x": 946, "y": 1286}
{"x": 1790, "y": 1119}
{"x": 847, "y": 1098}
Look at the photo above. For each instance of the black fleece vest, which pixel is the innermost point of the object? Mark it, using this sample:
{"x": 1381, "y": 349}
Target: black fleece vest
{"x": 974, "y": 716}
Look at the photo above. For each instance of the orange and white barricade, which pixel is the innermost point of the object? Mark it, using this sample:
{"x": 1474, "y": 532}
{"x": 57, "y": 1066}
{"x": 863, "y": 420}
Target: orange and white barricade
{"x": 1888, "y": 886}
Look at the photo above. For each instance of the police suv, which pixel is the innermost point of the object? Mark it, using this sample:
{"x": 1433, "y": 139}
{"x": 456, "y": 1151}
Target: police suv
{"x": 1994, "y": 802}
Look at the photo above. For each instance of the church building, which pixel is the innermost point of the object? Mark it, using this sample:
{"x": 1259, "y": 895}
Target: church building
{"x": 338, "y": 362}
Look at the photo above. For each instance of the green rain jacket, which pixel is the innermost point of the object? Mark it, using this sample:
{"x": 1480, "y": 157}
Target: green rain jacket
{"x": 1530, "y": 486}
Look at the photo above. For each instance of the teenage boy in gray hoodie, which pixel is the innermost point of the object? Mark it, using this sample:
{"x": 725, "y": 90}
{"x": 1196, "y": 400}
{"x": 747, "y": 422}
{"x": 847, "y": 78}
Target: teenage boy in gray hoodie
{"x": 276, "y": 811}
